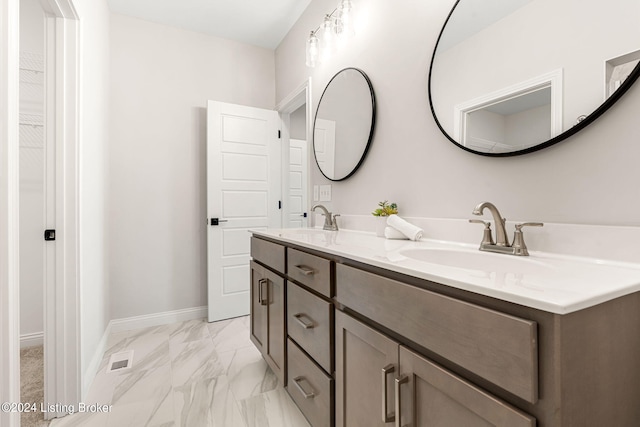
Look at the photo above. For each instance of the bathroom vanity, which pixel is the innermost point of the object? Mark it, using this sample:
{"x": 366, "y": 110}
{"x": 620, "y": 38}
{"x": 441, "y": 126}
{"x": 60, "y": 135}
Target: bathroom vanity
{"x": 365, "y": 331}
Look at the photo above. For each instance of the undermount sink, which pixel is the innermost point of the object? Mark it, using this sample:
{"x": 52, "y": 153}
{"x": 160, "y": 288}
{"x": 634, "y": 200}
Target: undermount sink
{"x": 476, "y": 260}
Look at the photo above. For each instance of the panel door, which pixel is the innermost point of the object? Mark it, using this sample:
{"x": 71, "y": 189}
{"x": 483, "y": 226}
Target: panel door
{"x": 324, "y": 145}
{"x": 298, "y": 183}
{"x": 366, "y": 365}
{"x": 431, "y": 396}
{"x": 243, "y": 190}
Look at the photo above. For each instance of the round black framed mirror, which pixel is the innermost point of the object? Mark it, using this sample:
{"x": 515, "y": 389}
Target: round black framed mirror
{"x": 344, "y": 123}
{"x": 509, "y": 77}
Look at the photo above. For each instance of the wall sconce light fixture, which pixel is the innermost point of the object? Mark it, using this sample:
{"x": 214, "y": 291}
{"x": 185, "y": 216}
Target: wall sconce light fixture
{"x": 336, "y": 27}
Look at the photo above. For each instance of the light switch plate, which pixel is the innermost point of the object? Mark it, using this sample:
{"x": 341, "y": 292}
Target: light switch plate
{"x": 315, "y": 193}
{"x": 325, "y": 193}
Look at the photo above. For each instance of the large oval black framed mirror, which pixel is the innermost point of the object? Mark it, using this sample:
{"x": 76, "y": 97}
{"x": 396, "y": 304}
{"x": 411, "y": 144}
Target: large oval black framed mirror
{"x": 509, "y": 77}
{"x": 344, "y": 123}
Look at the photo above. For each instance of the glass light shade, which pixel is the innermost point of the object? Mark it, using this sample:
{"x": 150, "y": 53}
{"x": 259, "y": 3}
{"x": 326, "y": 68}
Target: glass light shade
{"x": 328, "y": 36}
{"x": 313, "y": 50}
{"x": 345, "y": 15}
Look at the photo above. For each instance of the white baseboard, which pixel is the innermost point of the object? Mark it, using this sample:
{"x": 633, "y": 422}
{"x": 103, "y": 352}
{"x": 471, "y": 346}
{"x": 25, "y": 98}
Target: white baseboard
{"x": 30, "y": 340}
{"x": 132, "y": 323}
{"x": 157, "y": 319}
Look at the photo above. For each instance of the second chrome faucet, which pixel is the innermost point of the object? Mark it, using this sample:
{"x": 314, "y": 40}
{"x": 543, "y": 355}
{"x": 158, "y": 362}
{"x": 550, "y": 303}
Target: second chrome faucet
{"x": 330, "y": 222}
{"x": 501, "y": 245}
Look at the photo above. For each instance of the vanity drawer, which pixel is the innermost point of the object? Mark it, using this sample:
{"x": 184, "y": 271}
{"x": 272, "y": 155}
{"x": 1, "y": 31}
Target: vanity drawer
{"x": 268, "y": 253}
{"x": 309, "y": 320}
{"x": 309, "y": 387}
{"x": 498, "y": 347}
{"x": 310, "y": 270}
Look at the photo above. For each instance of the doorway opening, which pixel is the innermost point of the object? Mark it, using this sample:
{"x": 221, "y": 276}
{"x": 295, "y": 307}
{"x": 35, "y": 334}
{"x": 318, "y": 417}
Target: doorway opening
{"x": 295, "y": 116}
{"x": 493, "y": 122}
{"x": 35, "y": 155}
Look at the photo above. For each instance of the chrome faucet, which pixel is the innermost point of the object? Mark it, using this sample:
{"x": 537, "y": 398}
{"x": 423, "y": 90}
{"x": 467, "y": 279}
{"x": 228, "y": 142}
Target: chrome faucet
{"x": 501, "y": 233}
{"x": 329, "y": 218}
{"x": 502, "y": 245}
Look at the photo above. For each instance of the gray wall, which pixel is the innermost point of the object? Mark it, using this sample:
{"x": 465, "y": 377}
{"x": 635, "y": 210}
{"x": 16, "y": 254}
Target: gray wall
{"x": 161, "y": 80}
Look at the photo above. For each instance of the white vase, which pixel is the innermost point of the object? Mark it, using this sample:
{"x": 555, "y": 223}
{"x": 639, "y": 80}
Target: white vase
{"x": 381, "y": 224}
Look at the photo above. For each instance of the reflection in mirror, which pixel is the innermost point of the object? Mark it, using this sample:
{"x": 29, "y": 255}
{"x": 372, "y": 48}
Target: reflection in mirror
{"x": 513, "y": 76}
{"x": 344, "y": 123}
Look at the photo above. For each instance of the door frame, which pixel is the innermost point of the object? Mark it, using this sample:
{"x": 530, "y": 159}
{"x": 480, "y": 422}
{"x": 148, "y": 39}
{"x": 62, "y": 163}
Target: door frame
{"x": 300, "y": 96}
{"x": 9, "y": 210}
{"x": 61, "y": 319}
{"x": 62, "y": 294}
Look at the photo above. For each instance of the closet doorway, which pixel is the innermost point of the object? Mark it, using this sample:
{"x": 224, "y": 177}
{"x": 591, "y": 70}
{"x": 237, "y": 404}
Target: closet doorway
{"x": 36, "y": 160}
{"x": 60, "y": 122}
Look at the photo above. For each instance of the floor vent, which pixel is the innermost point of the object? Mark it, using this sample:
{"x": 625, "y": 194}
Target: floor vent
{"x": 119, "y": 362}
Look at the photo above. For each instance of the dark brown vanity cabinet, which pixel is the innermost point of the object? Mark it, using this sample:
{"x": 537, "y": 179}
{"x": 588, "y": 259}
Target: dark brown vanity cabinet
{"x": 310, "y": 329}
{"x": 267, "y": 306}
{"x": 377, "y": 379}
{"x": 292, "y": 324}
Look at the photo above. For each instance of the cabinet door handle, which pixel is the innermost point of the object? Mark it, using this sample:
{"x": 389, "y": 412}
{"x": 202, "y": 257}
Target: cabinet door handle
{"x": 306, "y": 394}
{"x": 307, "y": 271}
{"x": 386, "y": 417}
{"x": 262, "y": 299}
{"x": 306, "y": 325}
{"x": 399, "y": 381}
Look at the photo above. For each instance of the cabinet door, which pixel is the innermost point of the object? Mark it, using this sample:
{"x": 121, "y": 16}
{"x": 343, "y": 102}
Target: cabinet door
{"x": 276, "y": 335}
{"x": 258, "y": 307}
{"x": 366, "y": 365}
{"x": 428, "y": 395}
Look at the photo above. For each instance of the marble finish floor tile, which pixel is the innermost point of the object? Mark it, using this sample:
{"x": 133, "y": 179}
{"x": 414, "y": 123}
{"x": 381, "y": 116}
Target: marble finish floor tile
{"x": 152, "y": 384}
{"x": 150, "y": 347}
{"x": 195, "y": 361}
{"x": 272, "y": 409}
{"x": 188, "y": 374}
{"x": 192, "y": 330}
{"x": 207, "y": 403}
{"x": 230, "y": 334}
{"x": 248, "y": 373}
{"x": 146, "y": 413}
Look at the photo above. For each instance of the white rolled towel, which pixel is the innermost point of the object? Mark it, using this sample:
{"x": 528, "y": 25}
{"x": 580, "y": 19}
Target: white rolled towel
{"x": 393, "y": 234}
{"x": 411, "y": 231}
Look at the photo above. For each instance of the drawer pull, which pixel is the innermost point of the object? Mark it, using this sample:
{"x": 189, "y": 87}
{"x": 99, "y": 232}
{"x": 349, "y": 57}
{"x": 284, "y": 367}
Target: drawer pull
{"x": 386, "y": 417}
{"x": 399, "y": 381}
{"x": 307, "y": 271}
{"x": 261, "y": 299}
{"x": 306, "y": 394}
{"x": 306, "y": 325}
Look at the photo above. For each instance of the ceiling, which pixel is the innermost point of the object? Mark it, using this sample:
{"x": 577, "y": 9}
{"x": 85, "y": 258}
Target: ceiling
{"x": 261, "y": 23}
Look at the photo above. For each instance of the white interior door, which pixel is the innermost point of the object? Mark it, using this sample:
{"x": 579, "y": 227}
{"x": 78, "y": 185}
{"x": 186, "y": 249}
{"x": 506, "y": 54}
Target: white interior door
{"x": 324, "y": 143}
{"x": 298, "y": 175}
{"x": 243, "y": 193}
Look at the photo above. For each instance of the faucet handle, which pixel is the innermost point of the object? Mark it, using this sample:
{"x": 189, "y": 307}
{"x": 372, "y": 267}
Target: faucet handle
{"x": 487, "y": 238}
{"x": 519, "y": 247}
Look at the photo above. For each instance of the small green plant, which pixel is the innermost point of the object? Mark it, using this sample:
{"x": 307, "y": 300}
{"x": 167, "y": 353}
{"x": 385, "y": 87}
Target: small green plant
{"x": 385, "y": 209}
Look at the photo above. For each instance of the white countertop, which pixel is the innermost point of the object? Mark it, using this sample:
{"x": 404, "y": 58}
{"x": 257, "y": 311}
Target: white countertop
{"x": 554, "y": 283}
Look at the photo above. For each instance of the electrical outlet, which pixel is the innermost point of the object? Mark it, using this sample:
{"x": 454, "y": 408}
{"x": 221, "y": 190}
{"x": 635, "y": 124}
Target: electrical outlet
{"x": 325, "y": 193}
{"x": 315, "y": 193}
